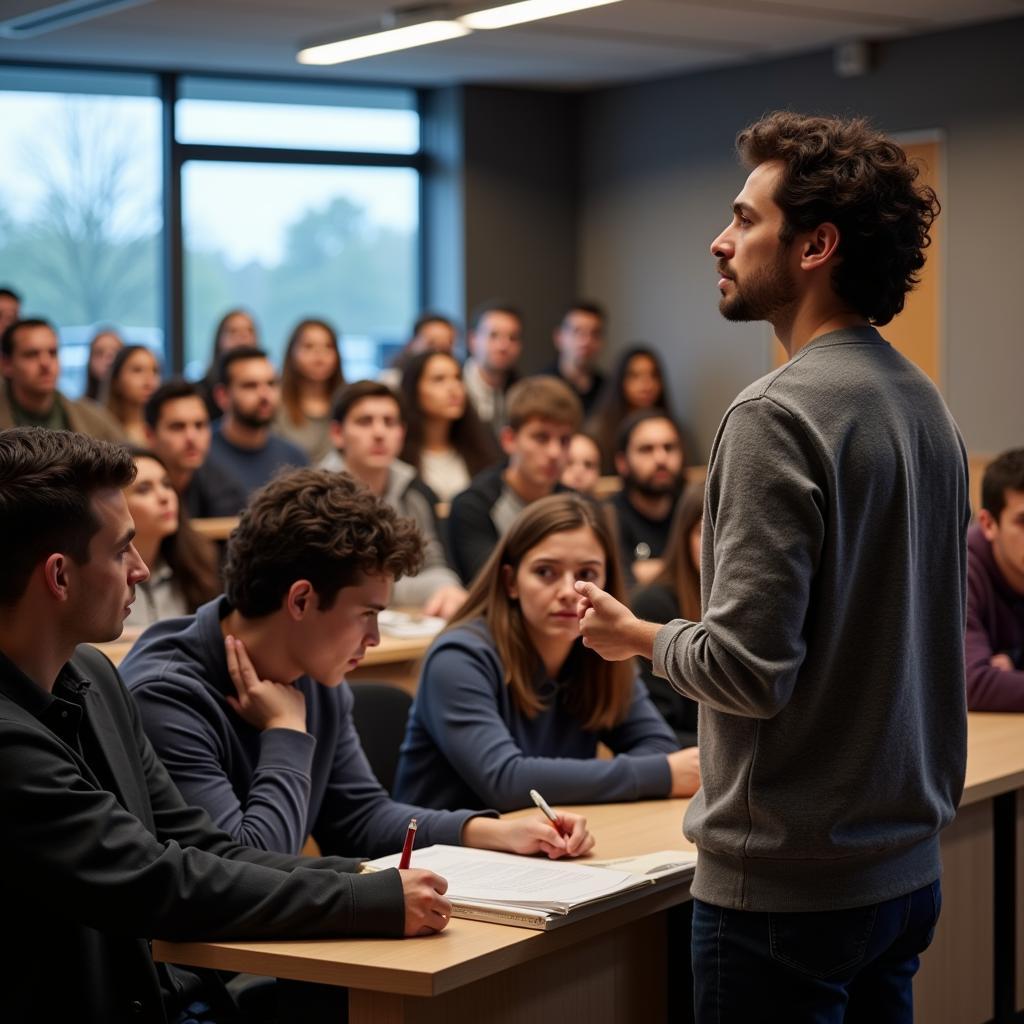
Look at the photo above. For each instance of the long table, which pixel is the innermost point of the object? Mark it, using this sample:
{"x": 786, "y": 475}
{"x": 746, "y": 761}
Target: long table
{"x": 613, "y": 967}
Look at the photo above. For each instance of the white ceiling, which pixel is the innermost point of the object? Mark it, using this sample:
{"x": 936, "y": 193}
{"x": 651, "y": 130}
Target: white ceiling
{"x": 626, "y": 41}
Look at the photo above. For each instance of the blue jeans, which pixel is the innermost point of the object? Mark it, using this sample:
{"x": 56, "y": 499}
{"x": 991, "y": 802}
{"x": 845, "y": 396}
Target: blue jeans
{"x": 828, "y": 967}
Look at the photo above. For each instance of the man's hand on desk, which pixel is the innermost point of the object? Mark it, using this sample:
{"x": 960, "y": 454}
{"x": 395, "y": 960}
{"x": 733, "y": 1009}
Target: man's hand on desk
{"x": 610, "y": 628}
{"x": 445, "y": 602}
{"x": 426, "y": 909}
{"x": 260, "y": 702}
{"x": 530, "y": 835}
{"x": 685, "y": 767}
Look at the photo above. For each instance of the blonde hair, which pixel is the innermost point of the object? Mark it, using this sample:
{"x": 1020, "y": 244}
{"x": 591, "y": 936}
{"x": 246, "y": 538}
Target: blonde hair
{"x": 601, "y": 691}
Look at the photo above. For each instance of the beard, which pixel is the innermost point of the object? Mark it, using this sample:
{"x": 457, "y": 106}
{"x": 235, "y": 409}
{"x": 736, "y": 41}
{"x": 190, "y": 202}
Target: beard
{"x": 254, "y": 421}
{"x": 649, "y": 489}
{"x": 766, "y": 293}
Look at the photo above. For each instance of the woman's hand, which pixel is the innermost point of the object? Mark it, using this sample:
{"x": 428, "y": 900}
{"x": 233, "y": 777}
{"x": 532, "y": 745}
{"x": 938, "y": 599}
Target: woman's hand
{"x": 531, "y": 835}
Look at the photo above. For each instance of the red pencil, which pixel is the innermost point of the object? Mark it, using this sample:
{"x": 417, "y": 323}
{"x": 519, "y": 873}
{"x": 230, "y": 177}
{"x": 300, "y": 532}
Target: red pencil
{"x": 410, "y": 838}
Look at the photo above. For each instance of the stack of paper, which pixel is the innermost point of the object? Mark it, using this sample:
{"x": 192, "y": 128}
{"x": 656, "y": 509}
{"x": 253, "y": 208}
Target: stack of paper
{"x": 534, "y": 893}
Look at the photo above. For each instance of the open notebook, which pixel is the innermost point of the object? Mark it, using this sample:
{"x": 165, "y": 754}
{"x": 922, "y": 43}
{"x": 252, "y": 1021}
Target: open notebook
{"x": 531, "y": 892}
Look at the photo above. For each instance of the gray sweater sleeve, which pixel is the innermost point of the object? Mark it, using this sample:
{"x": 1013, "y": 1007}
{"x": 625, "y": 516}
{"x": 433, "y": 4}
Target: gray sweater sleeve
{"x": 743, "y": 658}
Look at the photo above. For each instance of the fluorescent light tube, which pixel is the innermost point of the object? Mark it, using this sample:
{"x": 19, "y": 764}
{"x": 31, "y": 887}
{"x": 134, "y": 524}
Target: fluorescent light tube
{"x": 527, "y": 10}
{"x": 383, "y": 42}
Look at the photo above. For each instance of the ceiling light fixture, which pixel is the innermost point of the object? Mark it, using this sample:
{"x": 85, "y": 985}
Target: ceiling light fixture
{"x": 55, "y": 16}
{"x": 433, "y": 27}
{"x": 526, "y": 10}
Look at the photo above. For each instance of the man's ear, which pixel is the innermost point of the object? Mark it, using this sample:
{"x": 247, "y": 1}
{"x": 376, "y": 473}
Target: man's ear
{"x": 55, "y": 573}
{"x": 507, "y": 437}
{"x": 819, "y": 246}
{"x": 337, "y": 432}
{"x": 220, "y": 396}
{"x": 300, "y": 600}
{"x": 988, "y": 524}
{"x": 621, "y": 465}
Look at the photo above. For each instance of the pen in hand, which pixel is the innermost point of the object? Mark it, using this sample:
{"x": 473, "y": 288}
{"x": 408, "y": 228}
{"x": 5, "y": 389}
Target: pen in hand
{"x": 410, "y": 838}
{"x": 548, "y": 813}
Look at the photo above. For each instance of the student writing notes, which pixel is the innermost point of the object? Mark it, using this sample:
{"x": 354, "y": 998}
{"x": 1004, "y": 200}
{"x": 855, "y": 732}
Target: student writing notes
{"x": 509, "y": 700}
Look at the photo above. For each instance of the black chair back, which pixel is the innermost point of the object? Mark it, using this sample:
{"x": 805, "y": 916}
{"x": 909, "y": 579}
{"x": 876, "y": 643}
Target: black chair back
{"x": 379, "y": 714}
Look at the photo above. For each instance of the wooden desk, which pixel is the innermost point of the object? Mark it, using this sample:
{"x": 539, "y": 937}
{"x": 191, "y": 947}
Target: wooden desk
{"x": 218, "y": 528}
{"x": 613, "y": 967}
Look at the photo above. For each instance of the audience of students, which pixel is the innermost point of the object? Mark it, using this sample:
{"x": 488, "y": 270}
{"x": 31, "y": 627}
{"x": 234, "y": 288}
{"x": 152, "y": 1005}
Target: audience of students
{"x": 10, "y": 308}
{"x": 579, "y": 339}
{"x": 444, "y": 441}
{"x": 178, "y": 431}
{"x": 675, "y": 594}
{"x": 29, "y": 397}
{"x": 583, "y": 466}
{"x": 243, "y": 702}
{"x": 105, "y": 344}
{"x": 509, "y": 700}
{"x": 249, "y": 395}
{"x": 495, "y": 342}
{"x": 101, "y": 854}
{"x": 995, "y": 590}
{"x": 368, "y": 430}
{"x": 133, "y": 376}
{"x": 649, "y": 461}
{"x": 636, "y": 382}
{"x": 543, "y": 413}
{"x": 311, "y": 375}
{"x": 431, "y": 332}
{"x": 182, "y": 564}
{"x": 235, "y": 329}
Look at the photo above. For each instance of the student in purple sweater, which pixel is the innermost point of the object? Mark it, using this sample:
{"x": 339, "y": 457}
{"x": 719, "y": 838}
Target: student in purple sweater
{"x": 509, "y": 700}
{"x": 995, "y": 590}
{"x": 245, "y": 701}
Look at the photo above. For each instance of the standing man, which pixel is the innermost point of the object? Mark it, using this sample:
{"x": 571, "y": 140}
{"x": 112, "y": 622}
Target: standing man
{"x": 579, "y": 339}
{"x": 249, "y": 395}
{"x": 495, "y": 342}
{"x": 829, "y": 664}
{"x": 29, "y": 396}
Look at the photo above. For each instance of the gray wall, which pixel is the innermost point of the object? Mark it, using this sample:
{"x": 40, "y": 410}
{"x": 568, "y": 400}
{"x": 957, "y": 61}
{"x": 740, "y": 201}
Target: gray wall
{"x": 658, "y": 176}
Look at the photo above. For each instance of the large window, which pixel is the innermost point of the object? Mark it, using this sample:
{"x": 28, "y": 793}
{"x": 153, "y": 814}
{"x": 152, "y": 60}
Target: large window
{"x": 329, "y": 229}
{"x": 291, "y": 199}
{"x": 80, "y": 205}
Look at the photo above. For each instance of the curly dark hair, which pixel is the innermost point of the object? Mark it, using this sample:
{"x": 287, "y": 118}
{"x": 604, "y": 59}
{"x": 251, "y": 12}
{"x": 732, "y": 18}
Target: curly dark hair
{"x": 47, "y": 480}
{"x": 316, "y": 525}
{"x": 845, "y": 172}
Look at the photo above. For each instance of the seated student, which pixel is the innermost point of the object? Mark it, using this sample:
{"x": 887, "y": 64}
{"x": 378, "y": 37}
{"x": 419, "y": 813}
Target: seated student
{"x": 431, "y": 332}
{"x": 579, "y": 339}
{"x": 179, "y": 433}
{"x": 368, "y": 429}
{"x": 995, "y": 590}
{"x": 543, "y": 414}
{"x": 133, "y": 377}
{"x": 583, "y": 467}
{"x": 510, "y": 700}
{"x": 100, "y": 852}
{"x": 649, "y": 459}
{"x": 105, "y": 345}
{"x": 249, "y": 395}
{"x": 636, "y": 382}
{"x": 245, "y": 703}
{"x": 444, "y": 441}
{"x": 28, "y": 394}
{"x": 675, "y": 594}
{"x": 182, "y": 564}
{"x": 310, "y": 379}
{"x": 494, "y": 342}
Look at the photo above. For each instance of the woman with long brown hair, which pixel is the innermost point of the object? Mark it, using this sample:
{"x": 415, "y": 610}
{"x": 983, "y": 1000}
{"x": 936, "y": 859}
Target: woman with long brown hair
{"x": 182, "y": 564}
{"x": 444, "y": 439}
{"x": 311, "y": 375}
{"x": 675, "y": 594}
{"x": 133, "y": 376}
{"x": 509, "y": 700}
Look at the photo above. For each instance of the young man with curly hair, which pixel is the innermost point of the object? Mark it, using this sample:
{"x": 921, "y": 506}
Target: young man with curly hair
{"x": 829, "y": 664}
{"x": 244, "y": 700}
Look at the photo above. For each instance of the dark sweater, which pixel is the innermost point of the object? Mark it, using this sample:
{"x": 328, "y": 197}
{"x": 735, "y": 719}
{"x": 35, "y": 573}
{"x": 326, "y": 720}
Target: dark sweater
{"x": 100, "y": 853}
{"x": 254, "y": 467}
{"x": 658, "y": 603}
{"x": 995, "y": 625}
{"x": 467, "y": 743}
{"x": 267, "y": 789}
{"x": 640, "y": 538}
{"x": 829, "y": 664}
{"x": 213, "y": 492}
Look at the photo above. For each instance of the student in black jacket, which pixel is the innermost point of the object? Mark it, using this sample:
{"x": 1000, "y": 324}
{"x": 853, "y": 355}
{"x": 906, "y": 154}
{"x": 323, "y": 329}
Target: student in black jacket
{"x": 100, "y": 852}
